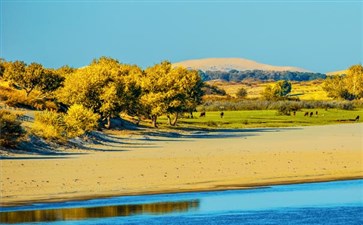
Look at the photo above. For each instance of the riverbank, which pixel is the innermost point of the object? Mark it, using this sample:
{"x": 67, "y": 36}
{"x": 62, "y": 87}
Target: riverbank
{"x": 157, "y": 162}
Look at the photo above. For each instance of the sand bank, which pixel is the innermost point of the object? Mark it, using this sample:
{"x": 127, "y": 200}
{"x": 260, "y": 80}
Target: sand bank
{"x": 159, "y": 163}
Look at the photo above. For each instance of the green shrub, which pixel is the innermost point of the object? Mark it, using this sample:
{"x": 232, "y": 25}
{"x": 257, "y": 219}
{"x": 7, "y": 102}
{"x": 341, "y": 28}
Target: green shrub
{"x": 11, "y": 131}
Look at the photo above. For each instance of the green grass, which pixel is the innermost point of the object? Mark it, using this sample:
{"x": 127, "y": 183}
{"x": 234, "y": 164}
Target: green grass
{"x": 266, "y": 118}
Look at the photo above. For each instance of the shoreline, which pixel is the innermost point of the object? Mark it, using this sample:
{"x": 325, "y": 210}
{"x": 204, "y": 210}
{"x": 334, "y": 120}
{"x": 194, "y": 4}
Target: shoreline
{"x": 221, "y": 188}
{"x": 158, "y": 163}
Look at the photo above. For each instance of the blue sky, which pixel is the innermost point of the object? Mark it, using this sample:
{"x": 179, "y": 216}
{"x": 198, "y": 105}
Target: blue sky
{"x": 320, "y": 36}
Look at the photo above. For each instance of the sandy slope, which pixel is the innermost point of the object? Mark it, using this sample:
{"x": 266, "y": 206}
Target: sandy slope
{"x": 227, "y": 64}
{"x": 340, "y": 72}
{"x": 152, "y": 163}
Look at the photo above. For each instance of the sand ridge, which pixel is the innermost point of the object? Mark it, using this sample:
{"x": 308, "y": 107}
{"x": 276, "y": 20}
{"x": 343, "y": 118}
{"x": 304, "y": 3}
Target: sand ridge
{"x": 197, "y": 161}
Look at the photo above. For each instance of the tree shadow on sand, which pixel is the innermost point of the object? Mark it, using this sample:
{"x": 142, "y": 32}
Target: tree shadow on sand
{"x": 110, "y": 140}
{"x": 190, "y": 133}
{"x": 146, "y": 138}
{"x": 37, "y": 148}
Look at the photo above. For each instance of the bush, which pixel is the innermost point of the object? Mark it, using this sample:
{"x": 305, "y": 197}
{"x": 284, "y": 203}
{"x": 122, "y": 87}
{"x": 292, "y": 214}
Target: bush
{"x": 80, "y": 120}
{"x": 60, "y": 126}
{"x": 10, "y": 129}
{"x": 49, "y": 125}
{"x": 347, "y": 106}
{"x": 241, "y": 93}
{"x": 285, "y": 108}
{"x": 16, "y": 99}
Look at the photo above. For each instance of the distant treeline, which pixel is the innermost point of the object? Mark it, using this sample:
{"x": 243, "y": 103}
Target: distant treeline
{"x": 236, "y": 76}
{"x": 233, "y": 104}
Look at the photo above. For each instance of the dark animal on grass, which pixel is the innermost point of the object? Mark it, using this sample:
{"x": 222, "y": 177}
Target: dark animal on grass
{"x": 202, "y": 114}
{"x": 316, "y": 113}
{"x": 311, "y": 114}
{"x": 294, "y": 112}
{"x": 222, "y": 114}
{"x": 306, "y": 114}
{"x": 357, "y": 118}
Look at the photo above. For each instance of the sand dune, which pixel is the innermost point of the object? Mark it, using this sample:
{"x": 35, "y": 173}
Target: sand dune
{"x": 227, "y": 64}
{"x": 340, "y": 72}
{"x": 169, "y": 162}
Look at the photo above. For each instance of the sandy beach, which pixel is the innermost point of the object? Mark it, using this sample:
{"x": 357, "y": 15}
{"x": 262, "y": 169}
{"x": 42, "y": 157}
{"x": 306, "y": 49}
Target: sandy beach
{"x": 157, "y": 162}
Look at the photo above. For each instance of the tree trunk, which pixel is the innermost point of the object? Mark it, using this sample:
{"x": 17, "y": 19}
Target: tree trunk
{"x": 138, "y": 121}
{"x": 175, "y": 119}
{"x": 191, "y": 114}
{"x": 169, "y": 120}
{"x": 153, "y": 119}
{"x": 108, "y": 125}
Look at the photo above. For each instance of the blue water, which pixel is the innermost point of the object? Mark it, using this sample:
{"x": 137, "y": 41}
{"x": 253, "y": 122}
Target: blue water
{"x": 338, "y": 202}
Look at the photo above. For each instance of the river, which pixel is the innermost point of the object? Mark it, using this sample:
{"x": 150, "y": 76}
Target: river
{"x": 339, "y": 202}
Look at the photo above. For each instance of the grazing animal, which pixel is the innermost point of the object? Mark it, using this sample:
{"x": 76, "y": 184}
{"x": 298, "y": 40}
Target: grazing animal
{"x": 316, "y": 113}
{"x": 311, "y": 114}
{"x": 294, "y": 112}
{"x": 202, "y": 114}
{"x": 306, "y": 114}
{"x": 222, "y": 114}
{"x": 357, "y": 118}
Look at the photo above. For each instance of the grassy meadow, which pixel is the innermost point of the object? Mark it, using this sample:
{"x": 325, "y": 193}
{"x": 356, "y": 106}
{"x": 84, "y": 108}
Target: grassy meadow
{"x": 266, "y": 118}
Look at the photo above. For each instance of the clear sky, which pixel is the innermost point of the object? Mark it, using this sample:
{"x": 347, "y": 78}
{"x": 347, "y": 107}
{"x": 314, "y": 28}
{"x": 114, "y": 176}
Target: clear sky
{"x": 320, "y": 36}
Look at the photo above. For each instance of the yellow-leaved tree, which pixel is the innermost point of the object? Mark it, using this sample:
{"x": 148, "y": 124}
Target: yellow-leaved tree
{"x": 349, "y": 86}
{"x": 170, "y": 91}
{"x": 279, "y": 91}
{"x": 190, "y": 85}
{"x": 105, "y": 86}
{"x": 354, "y": 80}
{"x": 32, "y": 76}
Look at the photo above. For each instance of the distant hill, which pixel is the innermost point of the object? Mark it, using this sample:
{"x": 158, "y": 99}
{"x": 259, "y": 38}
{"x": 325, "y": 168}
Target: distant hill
{"x": 236, "y": 69}
{"x": 227, "y": 64}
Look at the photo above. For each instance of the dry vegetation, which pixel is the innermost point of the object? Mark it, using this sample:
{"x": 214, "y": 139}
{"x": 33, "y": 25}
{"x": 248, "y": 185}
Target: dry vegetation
{"x": 309, "y": 90}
